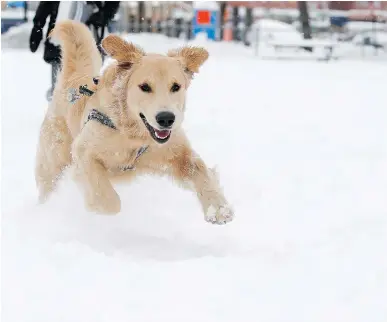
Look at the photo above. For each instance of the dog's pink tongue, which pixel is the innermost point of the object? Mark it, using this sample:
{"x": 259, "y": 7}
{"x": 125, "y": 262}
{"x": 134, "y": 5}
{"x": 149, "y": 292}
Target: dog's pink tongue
{"x": 162, "y": 134}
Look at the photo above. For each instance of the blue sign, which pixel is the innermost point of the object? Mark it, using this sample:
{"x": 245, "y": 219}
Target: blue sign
{"x": 206, "y": 21}
{"x": 16, "y": 4}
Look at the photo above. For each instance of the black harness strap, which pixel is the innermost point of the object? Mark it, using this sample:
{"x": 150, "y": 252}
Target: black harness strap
{"x": 141, "y": 151}
{"x": 105, "y": 120}
{"x": 101, "y": 118}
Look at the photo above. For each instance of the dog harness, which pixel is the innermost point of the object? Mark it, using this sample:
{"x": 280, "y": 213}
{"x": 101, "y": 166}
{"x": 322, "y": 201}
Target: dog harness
{"x": 105, "y": 120}
{"x": 139, "y": 152}
{"x": 73, "y": 96}
{"x": 99, "y": 116}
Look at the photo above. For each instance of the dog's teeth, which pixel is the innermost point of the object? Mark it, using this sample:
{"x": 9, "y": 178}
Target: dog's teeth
{"x": 160, "y": 137}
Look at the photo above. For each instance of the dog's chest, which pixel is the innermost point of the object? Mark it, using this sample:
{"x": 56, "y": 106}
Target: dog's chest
{"x": 125, "y": 160}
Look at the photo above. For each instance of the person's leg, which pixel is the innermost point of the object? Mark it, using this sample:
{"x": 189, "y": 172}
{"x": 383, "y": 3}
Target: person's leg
{"x": 52, "y": 52}
{"x": 71, "y": 10}
{"x": 42, "y": 12}
{"x": 55, "y": 68}
{"x": 87, "y": 10}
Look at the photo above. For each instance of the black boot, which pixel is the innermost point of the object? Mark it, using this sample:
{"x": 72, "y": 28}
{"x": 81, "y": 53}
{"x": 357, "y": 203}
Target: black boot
{"x": 35, "y": 38}
{"x": 52, "y": 53}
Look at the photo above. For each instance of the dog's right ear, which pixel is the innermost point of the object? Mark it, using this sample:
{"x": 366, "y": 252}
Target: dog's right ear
{"x": 191, "y": 57}
{"x": 125, "y": 53}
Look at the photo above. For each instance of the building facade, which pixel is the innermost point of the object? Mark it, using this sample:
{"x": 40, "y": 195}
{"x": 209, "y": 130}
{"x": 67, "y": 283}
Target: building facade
{"x": 333, "y": 5}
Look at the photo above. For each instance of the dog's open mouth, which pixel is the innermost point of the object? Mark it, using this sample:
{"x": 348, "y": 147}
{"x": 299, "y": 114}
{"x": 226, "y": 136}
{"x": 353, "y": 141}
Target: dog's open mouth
{"x": 160, "y": 136}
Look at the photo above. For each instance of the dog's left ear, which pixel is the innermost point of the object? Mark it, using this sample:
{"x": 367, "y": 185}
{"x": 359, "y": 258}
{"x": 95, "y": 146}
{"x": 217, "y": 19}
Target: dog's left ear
{"x": 122, "y": 51}
{"x": 191, "y": 57}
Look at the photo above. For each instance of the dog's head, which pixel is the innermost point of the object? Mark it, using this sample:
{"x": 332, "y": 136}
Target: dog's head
{"x": 155, "y": 85}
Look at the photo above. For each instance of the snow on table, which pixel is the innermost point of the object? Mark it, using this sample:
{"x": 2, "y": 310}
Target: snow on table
{"x": 301, "y": 150}
{"x": 304, "y": 42}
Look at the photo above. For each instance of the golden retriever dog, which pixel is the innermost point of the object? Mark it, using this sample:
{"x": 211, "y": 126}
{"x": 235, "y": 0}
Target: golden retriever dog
{"x": 130, "y": 125}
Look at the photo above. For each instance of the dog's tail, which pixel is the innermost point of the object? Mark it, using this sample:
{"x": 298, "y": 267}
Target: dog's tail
{"x": 80, "y": 54}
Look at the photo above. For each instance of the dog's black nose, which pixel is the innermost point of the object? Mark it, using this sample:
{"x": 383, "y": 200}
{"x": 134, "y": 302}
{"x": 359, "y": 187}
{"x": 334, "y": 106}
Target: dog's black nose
{"x": 165, "y": 119}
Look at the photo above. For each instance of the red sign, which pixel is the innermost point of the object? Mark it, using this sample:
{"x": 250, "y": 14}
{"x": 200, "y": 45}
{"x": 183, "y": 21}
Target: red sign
{"x": 203, "y": 17}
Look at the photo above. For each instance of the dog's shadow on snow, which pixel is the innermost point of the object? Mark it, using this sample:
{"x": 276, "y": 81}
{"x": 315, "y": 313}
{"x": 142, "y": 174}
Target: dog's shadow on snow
{"x": 147, "y": 247}
{"x": 150, "y": 238}
{"x": 158, "y": 221}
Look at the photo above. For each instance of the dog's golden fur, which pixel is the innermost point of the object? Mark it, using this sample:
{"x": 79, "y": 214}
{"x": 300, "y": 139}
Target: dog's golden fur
{"x": 98, "y": 153}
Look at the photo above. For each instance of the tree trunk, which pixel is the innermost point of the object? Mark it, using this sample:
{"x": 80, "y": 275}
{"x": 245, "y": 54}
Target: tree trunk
{"x": 235, "y": 21}
{"x": 248, "y": 23}
{"x": 141, "y": 16}
{"x": 222, "y": 12}
{"x": 304, "y": 20}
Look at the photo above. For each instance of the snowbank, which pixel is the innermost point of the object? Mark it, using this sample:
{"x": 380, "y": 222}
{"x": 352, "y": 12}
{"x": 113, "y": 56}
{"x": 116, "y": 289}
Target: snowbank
{"x": 269, "y": 29}
{"x": 301, "y": 150}
{"x": 18, "y": 36}
{"x": 359, "y": 26}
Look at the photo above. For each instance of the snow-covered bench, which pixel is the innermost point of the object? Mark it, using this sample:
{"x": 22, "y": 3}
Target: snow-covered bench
{"x": 327, "y": 45}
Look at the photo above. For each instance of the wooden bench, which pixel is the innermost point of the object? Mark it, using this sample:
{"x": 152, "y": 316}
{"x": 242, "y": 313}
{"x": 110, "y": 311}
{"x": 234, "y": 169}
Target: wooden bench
{"x": 329, "y": 46}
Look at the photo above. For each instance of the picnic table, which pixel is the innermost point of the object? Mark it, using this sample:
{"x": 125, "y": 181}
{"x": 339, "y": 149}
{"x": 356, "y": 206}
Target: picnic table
{"x": 328, "y": 45}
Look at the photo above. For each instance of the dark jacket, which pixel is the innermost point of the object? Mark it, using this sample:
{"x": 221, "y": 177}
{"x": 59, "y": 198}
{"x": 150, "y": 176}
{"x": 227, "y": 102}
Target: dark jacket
{"x": 98, "y": 19}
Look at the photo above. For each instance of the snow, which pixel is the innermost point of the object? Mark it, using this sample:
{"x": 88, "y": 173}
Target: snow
{"x": 306, "y": 42}
{"x": 359, "y": 26}
{"x": 19, "y": 36}
{"x": 272, "y": 24}
{"x": 376, "y": 37}
{"x": 301, "y": 151}
{"x": 269, "y": 29}
{"x": 314, "y": 23}
{"x": 266, "y": 32}
{"x": 205, "y": 5}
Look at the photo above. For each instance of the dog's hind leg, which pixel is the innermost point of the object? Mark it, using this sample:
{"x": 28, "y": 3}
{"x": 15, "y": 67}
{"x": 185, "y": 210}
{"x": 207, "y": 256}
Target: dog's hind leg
{"x": 53, "y": 154}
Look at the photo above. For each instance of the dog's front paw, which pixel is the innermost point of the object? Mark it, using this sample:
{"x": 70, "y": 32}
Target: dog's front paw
{"x": 219, "y": 215}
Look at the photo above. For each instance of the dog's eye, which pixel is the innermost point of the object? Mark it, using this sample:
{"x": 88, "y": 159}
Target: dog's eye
{"x": 175, "y": 87}
{"x": 145, "y": 88}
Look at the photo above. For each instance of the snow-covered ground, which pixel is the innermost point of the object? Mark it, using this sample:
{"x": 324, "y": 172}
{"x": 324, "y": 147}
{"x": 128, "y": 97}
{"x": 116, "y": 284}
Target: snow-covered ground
{"x": 301, "y": 149}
